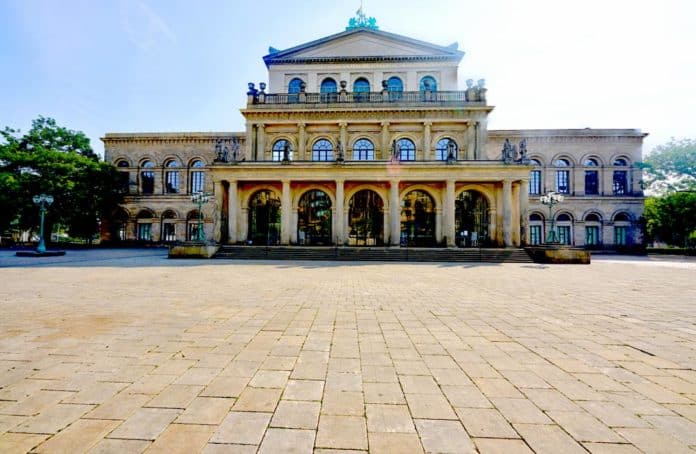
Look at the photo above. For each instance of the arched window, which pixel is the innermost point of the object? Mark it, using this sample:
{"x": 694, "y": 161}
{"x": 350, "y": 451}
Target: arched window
{"x": 168, "y": 230}
{"x": 444, "y": 148}
{"x": 536, "y": 229}
{"x": 361, "y": 85}
{"x": 535, "y": 162}
{"x": 147, "y": 178}
{"x": 171, "y": 177}
{"x": 122, "y": 163}
{"x": 144, "y": 221}
{"x": 535, "y": 217}
{"x": 363, "y": 150}
{"x": 428, "y": 83}
{"x": 197, "y": 177}
{"x": 406, "y": 150}
{"x": 564, "y": 225}
{"x": 282, "y": 151}
{"x": 395, "y": 87}
{"x": 591, "y": 162}
{"x": 622, "y": 217}
{"x": 620, "y": 162}
{"x": 395, "y": 84}
{"x": 366, "y": 219}
{"x": 592, "y": 230}
{"x": 328, "y": 85}
{"x": 322, "y": 150}
{"x": 192, "y": 229}
{"x": 295, "y": 85}
{"x": 562, "y": 176}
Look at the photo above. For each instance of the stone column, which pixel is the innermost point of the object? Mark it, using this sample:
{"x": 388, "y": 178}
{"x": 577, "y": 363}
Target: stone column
{"x": 507, "y": 213}
{"x": 301, "y": 142}
{"x": 516, "y": 215}
{"x": 261, "y": 142}
{"x": 293, "y": 226}
{"x": 385, "y": 140}
{"x": 339, "y": 234}
{"x": 427, "y": 155}
{"x": 244, "y": 223}
{"x": 285, "y": 210}
{"x": 249, "y": 142}
{"x": 232, "y": 205}
{"x": 394, "y": 213}
{"x": 449, "y": 213}
{"x": 344, "y": 137}
{"x": 438, "y": 225}
{"x": 524, "y": 216}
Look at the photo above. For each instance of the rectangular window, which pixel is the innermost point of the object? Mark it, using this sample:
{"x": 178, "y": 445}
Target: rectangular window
{"x": 562, "y": 181}
{"x": 591, "y": 235}
{"x": 168, "y": 232}
{"x": 147, "y": 182}
{"x": 172, "y": 186}
{"x": 620, "y": 234}
{"x": 591, "y": 182}
{"x": 197, "y": 181}
{"x": 145, "y": 232}
{"x": 535, "y": 182}
{"x": 564, "y": 234}
{"x": 534, "y": 234}
{"x": 123, "y": 182}
{"x": 620, "y": 182}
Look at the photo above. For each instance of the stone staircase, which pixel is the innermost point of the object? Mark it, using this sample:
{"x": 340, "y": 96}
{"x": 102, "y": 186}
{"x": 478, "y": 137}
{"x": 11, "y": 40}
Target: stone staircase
{"x": 375, "y": 254}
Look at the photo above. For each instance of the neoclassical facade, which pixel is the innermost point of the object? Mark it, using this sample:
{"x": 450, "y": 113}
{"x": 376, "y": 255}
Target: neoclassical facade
{"x": 363, "y": 138}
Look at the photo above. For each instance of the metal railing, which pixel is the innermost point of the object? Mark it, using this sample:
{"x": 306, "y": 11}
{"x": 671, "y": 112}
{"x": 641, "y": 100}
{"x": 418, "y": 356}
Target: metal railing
{"x": 367, "y": 97}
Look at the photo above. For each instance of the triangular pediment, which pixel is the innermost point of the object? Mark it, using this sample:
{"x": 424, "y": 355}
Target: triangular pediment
{"x": 363, "y": 44}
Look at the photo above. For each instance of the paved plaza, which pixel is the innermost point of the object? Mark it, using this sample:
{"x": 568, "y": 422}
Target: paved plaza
{"x": 126, "y": 351}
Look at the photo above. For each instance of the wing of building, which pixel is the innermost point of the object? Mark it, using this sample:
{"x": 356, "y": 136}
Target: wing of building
{"x": 364, "y": 138}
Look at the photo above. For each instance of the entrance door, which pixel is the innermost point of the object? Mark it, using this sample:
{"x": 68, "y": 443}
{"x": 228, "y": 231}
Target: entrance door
{"x": 314, "y": 219}
{"x": 264, "y": 218}
{"x": 471, "y": 219}
{"x": 418, "y": 219}
{"x": 366, "y": 219}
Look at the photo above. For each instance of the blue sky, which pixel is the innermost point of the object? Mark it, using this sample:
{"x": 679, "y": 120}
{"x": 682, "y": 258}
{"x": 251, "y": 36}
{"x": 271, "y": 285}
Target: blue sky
{"x": 140, "y": 65}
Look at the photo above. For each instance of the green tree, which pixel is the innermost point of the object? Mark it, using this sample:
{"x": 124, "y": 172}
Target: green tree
{"x": 54, "y": 160}
{"x": 671, "y": 218}
{"x": 671, "y": 166}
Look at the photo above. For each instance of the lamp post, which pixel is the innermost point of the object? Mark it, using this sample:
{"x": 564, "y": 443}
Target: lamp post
{"x": 200, "y": 198}
{"x": 43, "y": 201}
{"x": 551, "y": 199}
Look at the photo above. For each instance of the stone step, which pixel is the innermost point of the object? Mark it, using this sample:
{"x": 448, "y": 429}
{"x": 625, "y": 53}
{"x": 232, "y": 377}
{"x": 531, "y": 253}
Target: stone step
{"x": 381, "y": 254}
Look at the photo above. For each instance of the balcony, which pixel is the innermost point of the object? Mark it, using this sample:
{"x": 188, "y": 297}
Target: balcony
{"x": 260, "y": 99}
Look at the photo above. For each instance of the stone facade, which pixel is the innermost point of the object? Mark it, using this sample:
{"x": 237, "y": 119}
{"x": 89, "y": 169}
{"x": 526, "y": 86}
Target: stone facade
{"x": 361, "y": 138}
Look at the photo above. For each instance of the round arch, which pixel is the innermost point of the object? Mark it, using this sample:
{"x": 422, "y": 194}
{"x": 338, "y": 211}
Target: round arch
{"x": 623, "y": 216}
{"x": 471, "y": 218}
{"x": 600, "y": 161}
{"x": 592, "y": 211}
{"x": 418, "y": 218}
{"x": 120, "y": 159}
{"x": 621, "y": 156}
{"x": 144, "y": 160}
{"x": 568, "y": 158}
{"x": 487, "y": 193}
{"x": 540, "y": 159}
{"x": 315, "y": 217}
{"x": 263, "y": 217}
{"x": 365, "y": 218}
{"x": 193, "y": 160}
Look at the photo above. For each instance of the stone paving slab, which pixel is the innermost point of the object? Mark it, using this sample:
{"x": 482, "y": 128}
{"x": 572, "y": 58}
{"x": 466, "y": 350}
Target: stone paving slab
{"x": 125, "y": 351}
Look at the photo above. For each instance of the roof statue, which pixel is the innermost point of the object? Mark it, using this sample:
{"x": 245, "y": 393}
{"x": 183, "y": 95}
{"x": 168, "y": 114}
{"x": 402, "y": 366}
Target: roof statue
{"x": 362, "y": 21}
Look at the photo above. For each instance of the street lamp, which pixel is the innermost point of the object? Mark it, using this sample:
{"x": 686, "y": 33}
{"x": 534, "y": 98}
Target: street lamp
{"x": 551, "y": 199}
{"x": 200, "y": 198}
{"x": 43, "y": 201}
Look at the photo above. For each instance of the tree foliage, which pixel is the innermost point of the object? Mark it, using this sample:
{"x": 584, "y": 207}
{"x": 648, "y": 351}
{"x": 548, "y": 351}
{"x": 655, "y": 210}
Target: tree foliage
{"x": 671, "y": 218}
{"x": 54, "y": 160}
{"x": 671, "y": 166}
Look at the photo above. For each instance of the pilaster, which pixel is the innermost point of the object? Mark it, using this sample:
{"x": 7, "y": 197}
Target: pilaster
{"x": 507, "y": 213}
{"x": 285, "y": 210}
{"x": 394, "y": 213}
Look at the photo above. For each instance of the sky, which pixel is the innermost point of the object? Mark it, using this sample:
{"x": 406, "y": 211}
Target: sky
{"x": 172, "y": 65}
